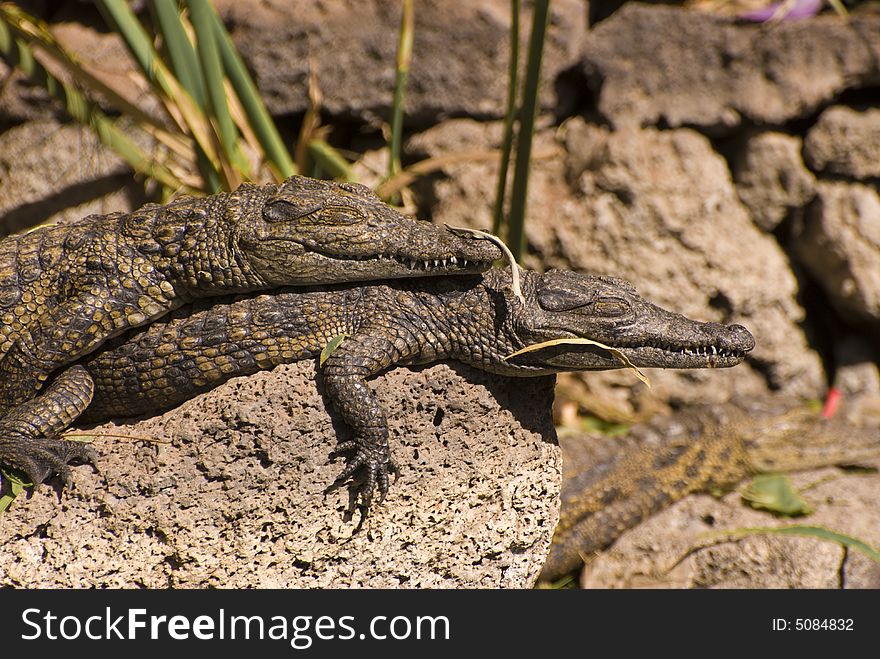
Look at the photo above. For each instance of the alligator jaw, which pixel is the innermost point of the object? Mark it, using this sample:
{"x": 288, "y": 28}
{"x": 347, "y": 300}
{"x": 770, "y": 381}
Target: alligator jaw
{"x": 391, "y": 266}
{"x": 412, "y": 248}
{"x": 720, "y": 346}
{"x": 417, "y": 248}
{"x": 589, "y": 357}
{"x": 721, "y": 354}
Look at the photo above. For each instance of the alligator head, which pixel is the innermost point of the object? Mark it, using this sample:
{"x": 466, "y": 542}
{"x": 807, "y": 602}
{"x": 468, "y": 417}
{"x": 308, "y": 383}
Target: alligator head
{"x": 568, "y": 305}
{"x": 319, "y": 232}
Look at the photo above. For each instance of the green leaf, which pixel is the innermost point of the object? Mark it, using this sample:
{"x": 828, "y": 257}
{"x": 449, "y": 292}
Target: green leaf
{"x": 819, "y": 532}
{"x": 604, "y": 427}
{"x": 17, "y": 484}
{"x": 331, "y": 347}
{"x": 775, "y": 493}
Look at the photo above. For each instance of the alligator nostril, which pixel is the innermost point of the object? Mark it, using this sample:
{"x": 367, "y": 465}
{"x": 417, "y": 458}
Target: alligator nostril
{"x": 741, "y": 337}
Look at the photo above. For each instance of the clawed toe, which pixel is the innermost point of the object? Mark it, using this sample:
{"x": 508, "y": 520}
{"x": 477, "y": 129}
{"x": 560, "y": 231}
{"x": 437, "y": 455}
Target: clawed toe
{"x": 377, "y": 465}
{"x": 41, "y": 458}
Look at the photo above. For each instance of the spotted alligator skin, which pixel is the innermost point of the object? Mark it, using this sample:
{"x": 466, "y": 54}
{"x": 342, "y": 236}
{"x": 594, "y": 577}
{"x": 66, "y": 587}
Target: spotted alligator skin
{"x": 702, "y": 449}
{"x": 475, "y": 320}
{"x": 65, "y": 290}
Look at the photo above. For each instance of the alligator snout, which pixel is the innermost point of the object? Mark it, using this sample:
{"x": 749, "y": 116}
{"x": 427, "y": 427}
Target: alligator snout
{"x": 737, "y": 339}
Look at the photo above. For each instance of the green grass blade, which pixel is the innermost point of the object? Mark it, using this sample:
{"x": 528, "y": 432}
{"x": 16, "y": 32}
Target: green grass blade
{"x": 404, "y": 57}
{"x": 181, "y": 53}
{"x": 180, "y": 105}
{"x": 185, "y": 64}
{"x": 35, "y": 33}
{"x": 262, "y": 124}
{"x": 19, "y": 55}
{"x": 819, "y": 532}
{"x": 331, "y": 161}
{"x": 509, "y": 116}
{"x": 122, "y": 19}
{"x": 212, "y": 70}
{"x": 839, "y": 7}
{"x": 516, "y": 227}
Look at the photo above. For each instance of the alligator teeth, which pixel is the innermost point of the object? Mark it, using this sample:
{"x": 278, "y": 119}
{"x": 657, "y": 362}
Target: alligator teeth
{"x": 427, "y": 265}
{"x": 453, "y": 260}
{"x": 464, "y": 262}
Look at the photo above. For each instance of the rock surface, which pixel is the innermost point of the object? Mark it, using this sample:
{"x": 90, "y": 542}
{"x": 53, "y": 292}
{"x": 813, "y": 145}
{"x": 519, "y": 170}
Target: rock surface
{"x": 53, "y": 172}
{"x": 771, "y": 178}
{"x": 840, "y": 245}
{"x": 683, "y": 547}
{"x": 459, "y": 65}
{"x": 237, "y": 498}
{"x": 20, "y": 100}
{"x": 845, "y": 142}
{"x": 658, "y": 65}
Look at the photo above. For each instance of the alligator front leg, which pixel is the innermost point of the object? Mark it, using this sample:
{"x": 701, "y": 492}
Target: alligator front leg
{"x": 28, "y": 433}
{"x": 345, "y": 375}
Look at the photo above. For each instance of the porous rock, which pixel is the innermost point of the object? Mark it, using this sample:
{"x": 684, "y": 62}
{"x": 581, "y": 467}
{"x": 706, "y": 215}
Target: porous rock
{"x": 771, "y": 178}
{"x": 659, "y": 65}
{"x": 236, "y": 498}
{"x": 20, "y": 100}
{"x": 54, "y": 172}
{"x": 840, "y": 245}
{"x": 459, "y": 58}
{"x": 845, "y": 142}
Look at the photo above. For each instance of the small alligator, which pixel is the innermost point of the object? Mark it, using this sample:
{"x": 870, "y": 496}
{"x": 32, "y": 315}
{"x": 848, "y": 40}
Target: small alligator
{"x": 475, "y": 320}
{"x": 65, "y": 290}
{"x": 707, "y": 448}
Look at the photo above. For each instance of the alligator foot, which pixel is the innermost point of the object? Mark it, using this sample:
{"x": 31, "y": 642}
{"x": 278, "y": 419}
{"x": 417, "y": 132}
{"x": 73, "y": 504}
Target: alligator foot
{"x": 40, "y": 458}
{"x": 377, "y": 463}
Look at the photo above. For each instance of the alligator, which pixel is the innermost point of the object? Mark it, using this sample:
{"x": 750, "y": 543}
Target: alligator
{"x": 477, "y": 320}
{"x": 703, "y": 449}
{"x": 65, "y": 290}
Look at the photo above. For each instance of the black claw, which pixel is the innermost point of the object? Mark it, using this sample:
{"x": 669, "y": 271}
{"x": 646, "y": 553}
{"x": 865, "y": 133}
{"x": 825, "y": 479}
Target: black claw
{"x": 378, "y": 465}
{"x": 41, "y": 458}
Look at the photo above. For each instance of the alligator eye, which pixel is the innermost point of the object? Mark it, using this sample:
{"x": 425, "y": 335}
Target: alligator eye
{"x": 283, "y": 210}
{"x": 611, "y": 307}
{"x": 563, "y": 299}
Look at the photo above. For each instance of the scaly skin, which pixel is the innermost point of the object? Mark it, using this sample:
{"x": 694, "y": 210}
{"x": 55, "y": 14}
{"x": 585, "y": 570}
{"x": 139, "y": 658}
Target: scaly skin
{"x": 704, "y": 449}
{"x": 473, "y": 320}
{"x": 65, "y": 290}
